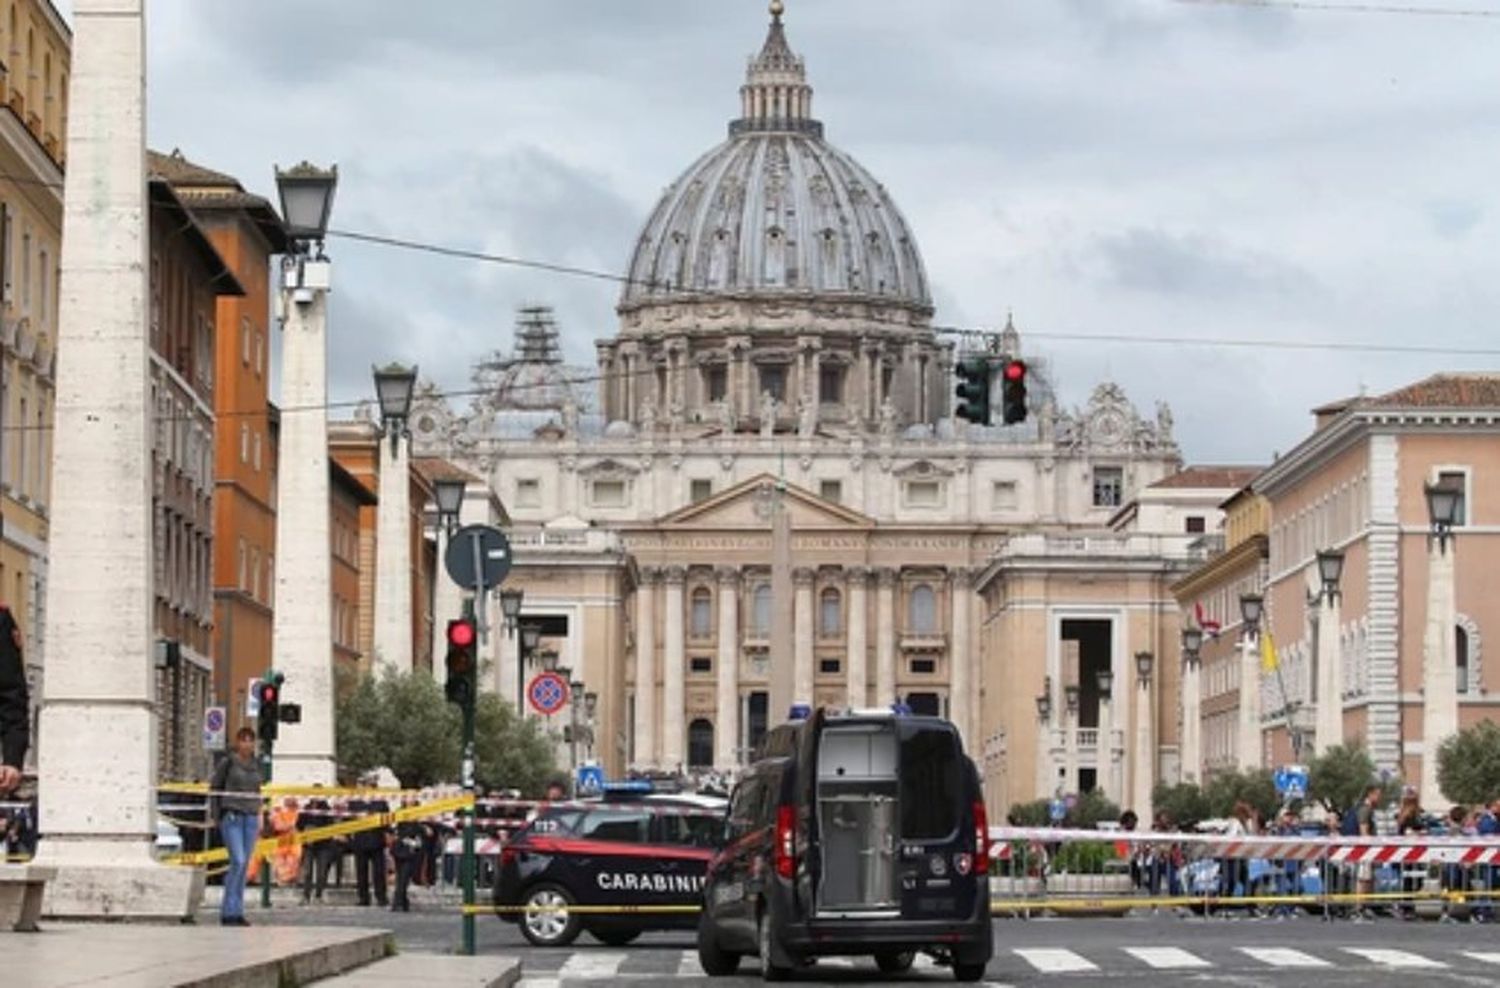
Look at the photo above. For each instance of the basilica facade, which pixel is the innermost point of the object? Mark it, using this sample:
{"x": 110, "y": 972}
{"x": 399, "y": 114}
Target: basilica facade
{"x": 775, "y": 343}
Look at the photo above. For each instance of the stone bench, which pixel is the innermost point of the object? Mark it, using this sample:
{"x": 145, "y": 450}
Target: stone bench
{"x": 21, "y": 888}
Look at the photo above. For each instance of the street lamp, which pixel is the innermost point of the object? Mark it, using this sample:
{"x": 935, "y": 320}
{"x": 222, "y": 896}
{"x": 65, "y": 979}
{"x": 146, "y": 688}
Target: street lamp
{"x": 1143, "y": 662}
{"x": 1330, "y": 568}
{"x": 449, "y": 494}
{"x": 393, "y": 388}
{"x": 510, "y": 609}
{"x": 306, "y": 202}
{"x": 1442, "y": 510}
{"x": 1070, "y": 695}
{"x": 1440, "y": 684}
{"x": 1044, "y": 706}
{"x": 1145, "y": 737}
{"x": 1251, "y": 607}
{"x": 531, "y": 637}
{"x": 1192, "y": 642}
{"x": 1106, "y": 682}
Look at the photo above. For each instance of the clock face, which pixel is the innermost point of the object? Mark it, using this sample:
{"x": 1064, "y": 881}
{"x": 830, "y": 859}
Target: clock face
{"x": 1109, "y": 429}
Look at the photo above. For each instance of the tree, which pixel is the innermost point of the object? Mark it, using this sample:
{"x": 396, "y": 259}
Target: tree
{"x": 1337, "y": 777}
{"x": 420, "y": 735}
{"x": 357, "y": 724}
{"x": 1089, "y": 809}
{"x": 1255, "y": 787}
{"x": 1184, "y": 804}
{"x": 510, "y": 752}
{"x": 1468, "y": 765}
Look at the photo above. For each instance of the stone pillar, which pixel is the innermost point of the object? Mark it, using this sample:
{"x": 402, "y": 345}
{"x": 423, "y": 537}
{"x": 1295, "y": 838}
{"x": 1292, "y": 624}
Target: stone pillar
{"x": 674, "y": 658}
{"x": 1439, "y": 666}
{"x": 727, "y": 706}
{"x": 1329, "y": 727}
{"x": 1145, "y": 749}
{"x": 1192, "y": 722}
{"x": 645, "y": 667}
{"x": 393, "y": 626}
{"x": 885, "y": 638}
{"x": 960, "y": 678}
{"x": 98, "y": 761}
{"x": 1249, "y": 740}
{"x": 1104, "y": 751}
{"x": 802, "y": 636}
{"x": 1070, "y": 751}
{"x": 856, "y": 636}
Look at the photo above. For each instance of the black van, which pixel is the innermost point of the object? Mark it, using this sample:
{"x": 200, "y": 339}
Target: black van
{"x": 852, "y": 833}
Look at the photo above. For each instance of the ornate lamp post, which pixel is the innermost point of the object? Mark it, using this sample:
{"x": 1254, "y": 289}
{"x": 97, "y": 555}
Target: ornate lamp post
{"x": 1145, "y": 737}
{"x": 1070, "y": 736}
{"x": 1046, "y": 762}
{"x": 1439, "y": 652}
{"x": 1252, "y": 608}
{"x": 393, "y": 631}
{"x": 1192, "y": 705}
{"x": 1328, "y": 729}
{"x": 1105, "y": 748}
{"x": 531, "y": 637}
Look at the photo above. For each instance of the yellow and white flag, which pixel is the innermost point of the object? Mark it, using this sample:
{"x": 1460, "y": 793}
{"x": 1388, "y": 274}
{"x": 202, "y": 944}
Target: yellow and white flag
{"x": 1269, "y": 660}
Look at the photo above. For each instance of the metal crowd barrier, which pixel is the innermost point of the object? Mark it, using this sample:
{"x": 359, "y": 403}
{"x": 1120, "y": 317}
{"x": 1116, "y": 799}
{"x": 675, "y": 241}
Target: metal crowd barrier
{"x": 1071, "y": 871}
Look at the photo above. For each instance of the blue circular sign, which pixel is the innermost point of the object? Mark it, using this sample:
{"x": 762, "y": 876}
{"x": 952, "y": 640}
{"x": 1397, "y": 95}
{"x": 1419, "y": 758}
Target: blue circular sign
{"x": 548, "y": 693}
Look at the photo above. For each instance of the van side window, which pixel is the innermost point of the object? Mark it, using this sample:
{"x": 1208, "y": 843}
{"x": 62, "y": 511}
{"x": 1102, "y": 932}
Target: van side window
{"x": 931, "y": 785}
{"x": 744, "y": 810}
{"x": 626, "y": 826}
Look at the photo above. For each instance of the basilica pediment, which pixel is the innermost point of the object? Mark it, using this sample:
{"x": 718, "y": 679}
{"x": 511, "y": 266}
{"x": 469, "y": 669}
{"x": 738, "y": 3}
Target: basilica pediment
{"x": 745, "y": 505}
{"x": 609, "y": 468}
{"x": 919, "y": 469}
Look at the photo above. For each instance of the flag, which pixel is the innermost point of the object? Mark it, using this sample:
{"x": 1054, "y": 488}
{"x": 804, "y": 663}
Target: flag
{"x": 1209, "y": 625}
{"x": 1269, "y": 660}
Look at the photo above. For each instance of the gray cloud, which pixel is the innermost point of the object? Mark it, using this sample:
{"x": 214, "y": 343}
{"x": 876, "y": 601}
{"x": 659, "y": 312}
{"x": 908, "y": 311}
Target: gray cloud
{"x": 1199, "y": 265}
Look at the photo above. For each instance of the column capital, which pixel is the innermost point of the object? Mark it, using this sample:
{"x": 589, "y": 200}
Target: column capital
{"x": 857, "y": 575}
{"x": 961, "y": 576}
{"x": 737, "y": 344}
{"x": 727, "y": 576}
{"x": 649, "y": 574}
{"x": 809, "y": 343}
{"x": 803, "y": 576}
{"x": 675, "y": 575}
{"x": 886, "y": 576}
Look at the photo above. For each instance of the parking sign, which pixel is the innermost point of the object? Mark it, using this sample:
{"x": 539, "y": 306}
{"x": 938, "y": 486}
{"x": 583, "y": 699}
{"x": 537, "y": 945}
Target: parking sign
{"x": 215, "y": 729}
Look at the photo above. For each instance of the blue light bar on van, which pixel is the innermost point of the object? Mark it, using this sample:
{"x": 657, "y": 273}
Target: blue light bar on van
{"x": 800, "y": 711}
{"x": 629, "y": 785}
{"x": 900, "y": 709}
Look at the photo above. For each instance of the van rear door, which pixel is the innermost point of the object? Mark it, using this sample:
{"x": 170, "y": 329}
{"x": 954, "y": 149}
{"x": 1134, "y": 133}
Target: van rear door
{"x": 937, "y": 866}
{"x": 855, "y": 803}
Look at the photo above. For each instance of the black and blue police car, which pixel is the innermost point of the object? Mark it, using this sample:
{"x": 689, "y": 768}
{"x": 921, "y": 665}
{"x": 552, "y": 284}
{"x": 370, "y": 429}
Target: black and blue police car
{"x": 633, "y": 860}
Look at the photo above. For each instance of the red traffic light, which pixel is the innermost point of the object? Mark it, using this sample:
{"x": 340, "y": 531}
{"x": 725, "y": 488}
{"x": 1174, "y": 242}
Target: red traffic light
{"x": 268, "y": 694}
{"x": 1015, "y": 370}
{"x": 460, "y": 634}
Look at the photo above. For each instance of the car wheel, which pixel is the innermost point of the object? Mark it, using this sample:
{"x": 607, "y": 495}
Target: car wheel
{"x": 714, "y": 959}
{"x": 615, "y": 937}
{"x": 769, "y": 969}
{"x": 547, "y": 921}
{"x": 895, "y": 961}
{"x": 968, "y": 972}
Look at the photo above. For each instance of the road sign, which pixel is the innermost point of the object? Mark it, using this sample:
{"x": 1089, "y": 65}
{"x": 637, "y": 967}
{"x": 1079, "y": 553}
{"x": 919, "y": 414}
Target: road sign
{"x": 252, "y": 700}
{"x": 1291, "y": 781}
{"x": 1057, "y": 810}
{"x": 215, "y": 729}
{"x": 590, "y": 779}
{"x": 547, "y": 693}
{"x": 488, "y": 566}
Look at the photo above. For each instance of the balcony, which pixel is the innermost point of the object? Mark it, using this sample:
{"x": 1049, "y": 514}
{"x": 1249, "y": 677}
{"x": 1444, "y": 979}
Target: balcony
{"x": 923, "y": 641}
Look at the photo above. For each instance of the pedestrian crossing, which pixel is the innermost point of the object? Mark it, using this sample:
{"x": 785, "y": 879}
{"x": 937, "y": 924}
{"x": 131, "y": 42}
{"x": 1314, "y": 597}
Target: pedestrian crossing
{"x": 556, "y": 969}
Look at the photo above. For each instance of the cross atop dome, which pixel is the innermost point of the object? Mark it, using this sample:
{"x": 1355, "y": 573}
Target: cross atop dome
{"x": 776, "y": 95}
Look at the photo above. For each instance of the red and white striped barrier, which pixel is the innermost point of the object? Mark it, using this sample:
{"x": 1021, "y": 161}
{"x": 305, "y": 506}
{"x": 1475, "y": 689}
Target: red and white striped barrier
{"x": 1344, "y": 850}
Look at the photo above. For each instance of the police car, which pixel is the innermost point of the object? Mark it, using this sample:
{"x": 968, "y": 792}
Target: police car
{"x": 641, "y": 853}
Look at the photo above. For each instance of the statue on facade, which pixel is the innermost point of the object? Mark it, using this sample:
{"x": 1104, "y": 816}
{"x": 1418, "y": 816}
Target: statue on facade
{"x": 724, "y": 412}
{"x": 648, "y": 417}
{"x": 570, "y": 416}
{"x": 807, "y": 417}
{"x": 364, "y": 411}
{"x": 1164, "y": 424}
{"x": 676, "y": 415}
{"x": 767, "y": 415}
{"x": 887, "y": 418}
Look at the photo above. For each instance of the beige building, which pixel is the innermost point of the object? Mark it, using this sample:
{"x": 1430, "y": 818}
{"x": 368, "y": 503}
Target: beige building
{"x": 777, "y": 329}
{"x": 35, "y": 54}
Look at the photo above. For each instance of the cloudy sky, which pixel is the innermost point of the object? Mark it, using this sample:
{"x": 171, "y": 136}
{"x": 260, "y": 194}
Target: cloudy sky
{"x": 1133, "y": 168}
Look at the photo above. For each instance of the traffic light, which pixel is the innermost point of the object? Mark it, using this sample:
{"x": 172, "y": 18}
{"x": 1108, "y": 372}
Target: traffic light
{"x": 1013, "y": 392}
{"x": 461, "y": 664}
{"x": 268, "y": 696}
{"x": 974, "y": 390}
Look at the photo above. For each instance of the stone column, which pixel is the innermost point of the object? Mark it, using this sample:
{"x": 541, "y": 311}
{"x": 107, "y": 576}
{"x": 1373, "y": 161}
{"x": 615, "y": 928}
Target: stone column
{"x": 1249, "y": 724}
{"x": 1104, "y": 751}
{"x": 960, "y": 678}
{"x": 674, "y": 657}
{"x": 98, "y": 761}
{"x": 727, "y": 706}
{"x": 1328, "y": 730}
{"x": 885, "y": 638}
{"x": 856, "y": 636}
{"x": 1145, "y": 749}
{"x": 802, "y": 621}
{"x": 1439, "y": 665}
{"x": 645, "y": 667}
{"x": 1192, "y": 722}
{"x": 393, "y": 629}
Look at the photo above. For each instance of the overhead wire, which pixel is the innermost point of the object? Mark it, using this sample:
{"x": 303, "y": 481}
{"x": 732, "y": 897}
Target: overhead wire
{"x": 1332, "y": 7}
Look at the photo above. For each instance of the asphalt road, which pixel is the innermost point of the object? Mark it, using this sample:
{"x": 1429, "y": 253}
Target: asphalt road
{"x": 1076, "y": 953}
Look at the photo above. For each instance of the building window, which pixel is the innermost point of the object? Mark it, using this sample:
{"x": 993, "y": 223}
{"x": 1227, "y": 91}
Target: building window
{"x": 831, "y": 490}
{"x": 830, "y": 614}
{"x": 21, "y": 478}
{"x": 528, "y": 493}
{"x": 1194, "y": 525}
{"x": 245, "y": 341}
{"x": 1003, "y": 496}
{"x": 760, "y": 611}
{"x": 716, "y": 381}
{"x": 257, "y": 452}
{"x": 701, "y": 664}
{"x": 702, "y": 613}
{"x": 923, "y": 667}
{"x": 26, "y": 271}
{"x": 254, "y": 573}
{"x": 924, "y": 493}
{"x": 701, "y": 744}
{"x": 1457, "y": 480}
{"x": 244, "y": 443}
{"x": 244, "y": 578}
{"x": 608, "y": 493}
{"x": 1109, "y": 487}
{"x": 773, "y": 380}
{"x": 1461, "y": 652}
{"x": 921, "y": 610}
{"x": 260, "y": 354}
{"x": 829, "y": 667}
{"x": 700, "y": 490}
{"x": 42, "y": 299}
{"x": 756, "y": 706}
{"x": 831, "y": 384}
{"x": 924, "y": 704}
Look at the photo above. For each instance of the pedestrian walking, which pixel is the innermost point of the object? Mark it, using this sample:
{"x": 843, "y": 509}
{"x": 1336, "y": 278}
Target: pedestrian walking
{"x": 15, "y": 705}
{"x": 235, "y": 794}
{"x": 1364, "y": 826}
{"x": 1410, "y": 820}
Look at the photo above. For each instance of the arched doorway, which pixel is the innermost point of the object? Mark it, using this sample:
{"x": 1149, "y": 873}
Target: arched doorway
{"x": 700, "y": 744}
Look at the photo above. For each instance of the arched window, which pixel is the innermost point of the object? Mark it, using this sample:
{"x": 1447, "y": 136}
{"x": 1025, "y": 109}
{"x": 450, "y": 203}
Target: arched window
{"x": 700, "y": 744}
{"x": 702, "y": 619}
{"x": 921, "y": 613}
{"x": 760, "y": 610}
{"x": 1461, "y": 650}
{"x": 830, "y": 614}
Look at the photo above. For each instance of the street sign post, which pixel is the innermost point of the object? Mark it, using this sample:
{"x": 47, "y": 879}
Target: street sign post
{"x": 252, "y": 700}
{"x": 215, "y": 729}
